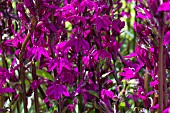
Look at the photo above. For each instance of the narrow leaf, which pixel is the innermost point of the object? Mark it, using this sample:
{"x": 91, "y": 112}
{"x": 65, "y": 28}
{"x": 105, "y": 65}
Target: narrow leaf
{"x": 93, "y": 93}
{"x": 44, "y": 74}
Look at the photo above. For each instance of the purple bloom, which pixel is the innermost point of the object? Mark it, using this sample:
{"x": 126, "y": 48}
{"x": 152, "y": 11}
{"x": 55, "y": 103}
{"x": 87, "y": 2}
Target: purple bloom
{"x": 142, "y": 95}
{"x": 128, "y": 73}
{"x": 35, "y": 84}
{"x": 59, "y": 64}
{"x": 167, "y": 38}
{"x": 102, "y": 22}
{"x": 6, "y": 90}
{"x": 106, "y": 94}
{"x": 155, "y": 107}
{"x": 154, "y": 83}
{"x": 23, "y": 15}
{"x": 30, "y": 5}
{"x": 125, "y": 14}
{"x": 78, "y": 44}
{"x": 145, "y": 15}
{"x": 117, "y": 25}
{"x": 71, "y": 107}
{"x": 101, "y": 54}
{"x": 167, "y": 110}
{"x": 153, "y": 4}
{"x": 86, "y": 3}
{"x": 68, "y": 8}
{"x": 131, "y": 55}
{"x": 164, "y": 7}
{"x": 69, "y": 76}
{"x": 51, "y": 6}
{"x": 55, "y": 91}
{"x": 36, "y": 52}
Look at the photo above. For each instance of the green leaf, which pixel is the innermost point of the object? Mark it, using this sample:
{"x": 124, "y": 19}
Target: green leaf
{"x": 122, "y": 105}
{"x": 44, "y": 74}
{"x": 89, "y": 105}
{"x": 93, "y": 93}
{"x": 68, "y": 25}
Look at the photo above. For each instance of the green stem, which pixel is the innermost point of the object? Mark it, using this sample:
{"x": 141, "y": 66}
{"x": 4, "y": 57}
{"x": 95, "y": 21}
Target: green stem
{"x": 164, "y": 81}
{"x": 35, "y": 90}
{"x": 18, "y": 105}
{"x": 146, "y": 81}
{"x": 80, "y": 98}
{"x": 155, "y": 101}
{"x": 43, "y": 96}
{"x": 160, "y": 63}
{"x": 22, "y": 75}
{"x": 80, "y": 65}
{"x": 3, "y": 64}
{"x": 22, "y": 70}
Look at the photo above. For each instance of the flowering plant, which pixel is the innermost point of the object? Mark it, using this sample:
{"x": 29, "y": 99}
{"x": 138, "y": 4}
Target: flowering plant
{"x": 68, "y": 56}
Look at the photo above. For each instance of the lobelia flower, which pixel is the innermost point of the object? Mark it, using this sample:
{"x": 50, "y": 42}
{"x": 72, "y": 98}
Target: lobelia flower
{"x": 87, "y": 3}
{"x": 154, "y": 83}
{"x": 106, "y": 95}
{"x": 145, "y": 15}
{"x": 36, "y": 52}
{"x": 78, "y": 44}
{"x": 59, "y": 63}
{"x": 4, "y": 76}
{"x": 167, "y": 38}
{"x": 153, "y": 4}
{"x": 102, "y": 22}
{"x": 69, "y": 76}
{"x": 167, "y": 110}
{"x": 30, "y": 5}
{"x": 128, "y": 73}
{"x": 76, "y": 20}
{"x": 101, "y": 54}
{"x": 117, "y": 25}
{"x": 142, "y": 95}
{"x": 125, "y": 14}
{"x": 164, "y": 6}
{"x": 23, "y": 15}
{"x": 55, "y": 91}
{"x": 6, "y": 90}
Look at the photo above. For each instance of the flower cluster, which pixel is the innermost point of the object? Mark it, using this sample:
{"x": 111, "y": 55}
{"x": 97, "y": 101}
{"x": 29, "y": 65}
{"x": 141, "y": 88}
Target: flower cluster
{"x": 66, "y": 56}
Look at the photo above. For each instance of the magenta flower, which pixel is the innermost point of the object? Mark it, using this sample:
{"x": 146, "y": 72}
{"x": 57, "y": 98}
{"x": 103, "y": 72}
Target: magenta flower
{"x": 6, "y": 90}
{"x": 36, "y": 52}
{"x": 30, "y": 5}
{"x": 126, "y": 14}
{"x": 164, "y": 7}
{"x": 59, "y": 64}
{"x": 87, "y": 3}
{"x": 23, "y": 15}
{"x": 78, "y": 44}
{"x": 55, "y": 91}
{"x": 101, "y": 54}
{"x": 167, "y": 110}
{"x": 102, "y": 22}
{"x": 154, "y": 83}
{"x": 128, "y": 73}
{"x": 106, "y": 97}
{"x": 107, "y": 94}
{"x": 167, "y": 38}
